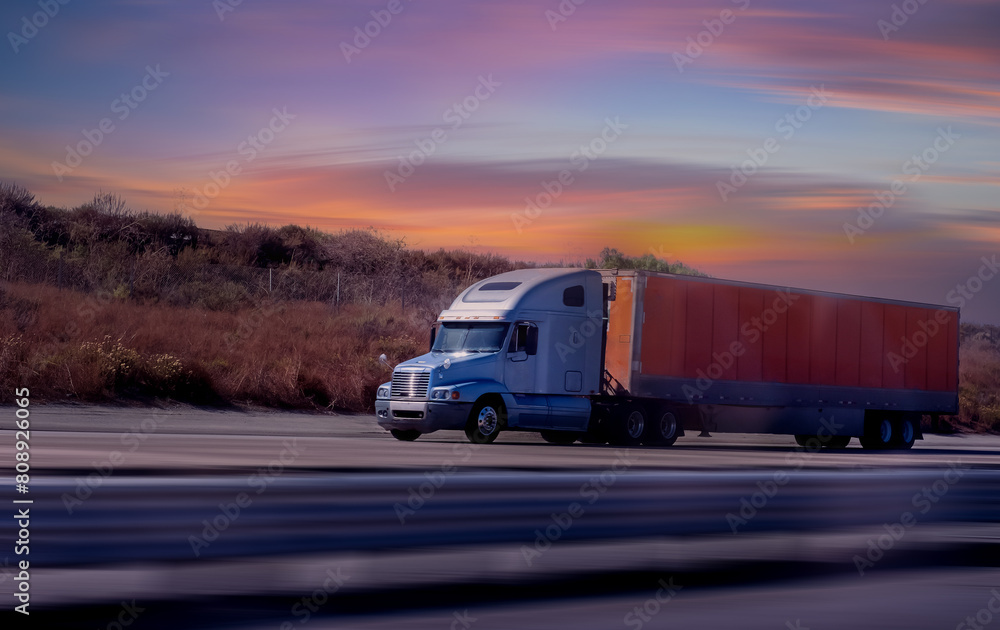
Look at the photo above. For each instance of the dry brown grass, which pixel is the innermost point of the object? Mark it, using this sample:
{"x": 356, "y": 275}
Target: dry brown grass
{"x": 68, "y": 345}
{"x": 979, "y": 387}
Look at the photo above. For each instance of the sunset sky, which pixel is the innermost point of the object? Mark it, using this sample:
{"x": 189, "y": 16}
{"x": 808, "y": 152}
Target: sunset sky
{"x": 437, "y": 120}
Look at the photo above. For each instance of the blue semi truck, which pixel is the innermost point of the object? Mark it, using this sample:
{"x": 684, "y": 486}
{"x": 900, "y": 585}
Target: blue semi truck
{"x": 635, "y": 357}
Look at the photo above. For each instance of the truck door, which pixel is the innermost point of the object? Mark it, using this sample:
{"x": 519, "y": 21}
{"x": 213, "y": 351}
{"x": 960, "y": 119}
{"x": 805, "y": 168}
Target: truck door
{"x": 519, "y": 368}
{"x": 519, "y": 376}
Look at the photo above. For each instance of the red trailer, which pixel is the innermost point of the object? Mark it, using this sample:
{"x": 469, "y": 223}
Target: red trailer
{"x": 725, "y": 356}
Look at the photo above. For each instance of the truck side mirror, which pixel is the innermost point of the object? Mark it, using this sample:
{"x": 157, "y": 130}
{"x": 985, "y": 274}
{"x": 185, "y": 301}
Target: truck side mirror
{"x": 433, "y": 336}
{"x": 531, "y": 345}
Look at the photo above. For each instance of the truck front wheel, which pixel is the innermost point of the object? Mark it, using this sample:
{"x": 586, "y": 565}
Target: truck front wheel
{"x": 487, "y": 418}
{"x": 405, "y": 435}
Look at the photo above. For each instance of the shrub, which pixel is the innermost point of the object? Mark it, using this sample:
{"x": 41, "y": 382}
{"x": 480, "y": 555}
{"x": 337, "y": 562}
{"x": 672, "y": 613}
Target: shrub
{"x": 121, "y": 370}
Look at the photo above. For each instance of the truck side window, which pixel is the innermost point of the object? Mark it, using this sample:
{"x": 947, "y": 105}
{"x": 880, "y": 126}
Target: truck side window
{"x": 524, "y": 339}
{"x": 573, "y": 296}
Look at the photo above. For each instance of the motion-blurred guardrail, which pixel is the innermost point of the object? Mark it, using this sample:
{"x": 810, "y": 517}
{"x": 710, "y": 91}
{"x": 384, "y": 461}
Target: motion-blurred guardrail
{"x": 176, "y": 518}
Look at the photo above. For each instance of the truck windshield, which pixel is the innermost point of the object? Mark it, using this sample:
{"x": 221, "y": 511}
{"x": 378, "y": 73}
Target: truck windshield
{"x": 470, "y": 337}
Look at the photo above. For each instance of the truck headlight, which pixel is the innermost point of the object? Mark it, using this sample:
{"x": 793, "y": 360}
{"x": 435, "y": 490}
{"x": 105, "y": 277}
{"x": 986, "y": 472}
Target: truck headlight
{"x": 444, "y": 393}
{"x": 383, "y": 392}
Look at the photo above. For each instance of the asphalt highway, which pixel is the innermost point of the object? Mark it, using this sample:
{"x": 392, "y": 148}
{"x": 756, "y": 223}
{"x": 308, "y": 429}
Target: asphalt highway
{"x": 76, "y": 438}
{"x": 127, "y": 502}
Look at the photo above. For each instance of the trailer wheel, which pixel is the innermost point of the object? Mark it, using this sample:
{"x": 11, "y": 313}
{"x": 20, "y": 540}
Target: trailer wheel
{"x": 903, "y": 434}
{"x": 487, "y": 418}
{"x": 878, "y": 434}
{"x": 629, "y": 426}
{"x": 405, "y": 435}
{"x": 664, "y": 431}
{"x": 803, "y": 440}
{"x": 560, "y": 437}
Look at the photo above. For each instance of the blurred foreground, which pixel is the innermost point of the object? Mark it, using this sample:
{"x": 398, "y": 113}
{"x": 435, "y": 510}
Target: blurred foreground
{"x": 202, "y": 520}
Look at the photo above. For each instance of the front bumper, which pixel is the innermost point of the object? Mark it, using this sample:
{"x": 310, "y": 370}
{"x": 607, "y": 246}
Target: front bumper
{"x": 422, "y": 415}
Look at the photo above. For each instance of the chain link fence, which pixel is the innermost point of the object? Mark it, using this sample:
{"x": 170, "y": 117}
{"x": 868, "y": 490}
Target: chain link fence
{"x": 163, "y": 278}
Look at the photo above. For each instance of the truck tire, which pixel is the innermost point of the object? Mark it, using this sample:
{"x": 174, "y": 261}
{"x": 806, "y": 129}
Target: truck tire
{"x": 560, "y": 437}
{"x": 878, "y": 434}
{"x": 488, "y": 417}
{"x": 903, "y": 434}
{"x": 837, "y": 441}
{"x": 803, "y": 439}
{"x": 405, "y": 435}
{"x": 596, "y": 432}
{"x": 629, "y": 425}
{"x": 664, "y": 430}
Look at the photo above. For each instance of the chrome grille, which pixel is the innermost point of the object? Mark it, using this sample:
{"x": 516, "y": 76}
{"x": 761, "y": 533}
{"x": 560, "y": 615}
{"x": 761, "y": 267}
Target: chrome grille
{"x": 410, "y": 384}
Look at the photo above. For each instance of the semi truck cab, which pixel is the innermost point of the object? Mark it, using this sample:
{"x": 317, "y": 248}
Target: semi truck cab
{"x": 521, "y": 350}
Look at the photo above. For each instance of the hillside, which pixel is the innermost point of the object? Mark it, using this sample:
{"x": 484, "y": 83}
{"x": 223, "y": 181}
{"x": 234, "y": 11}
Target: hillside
{"x": 101, "y": 303}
